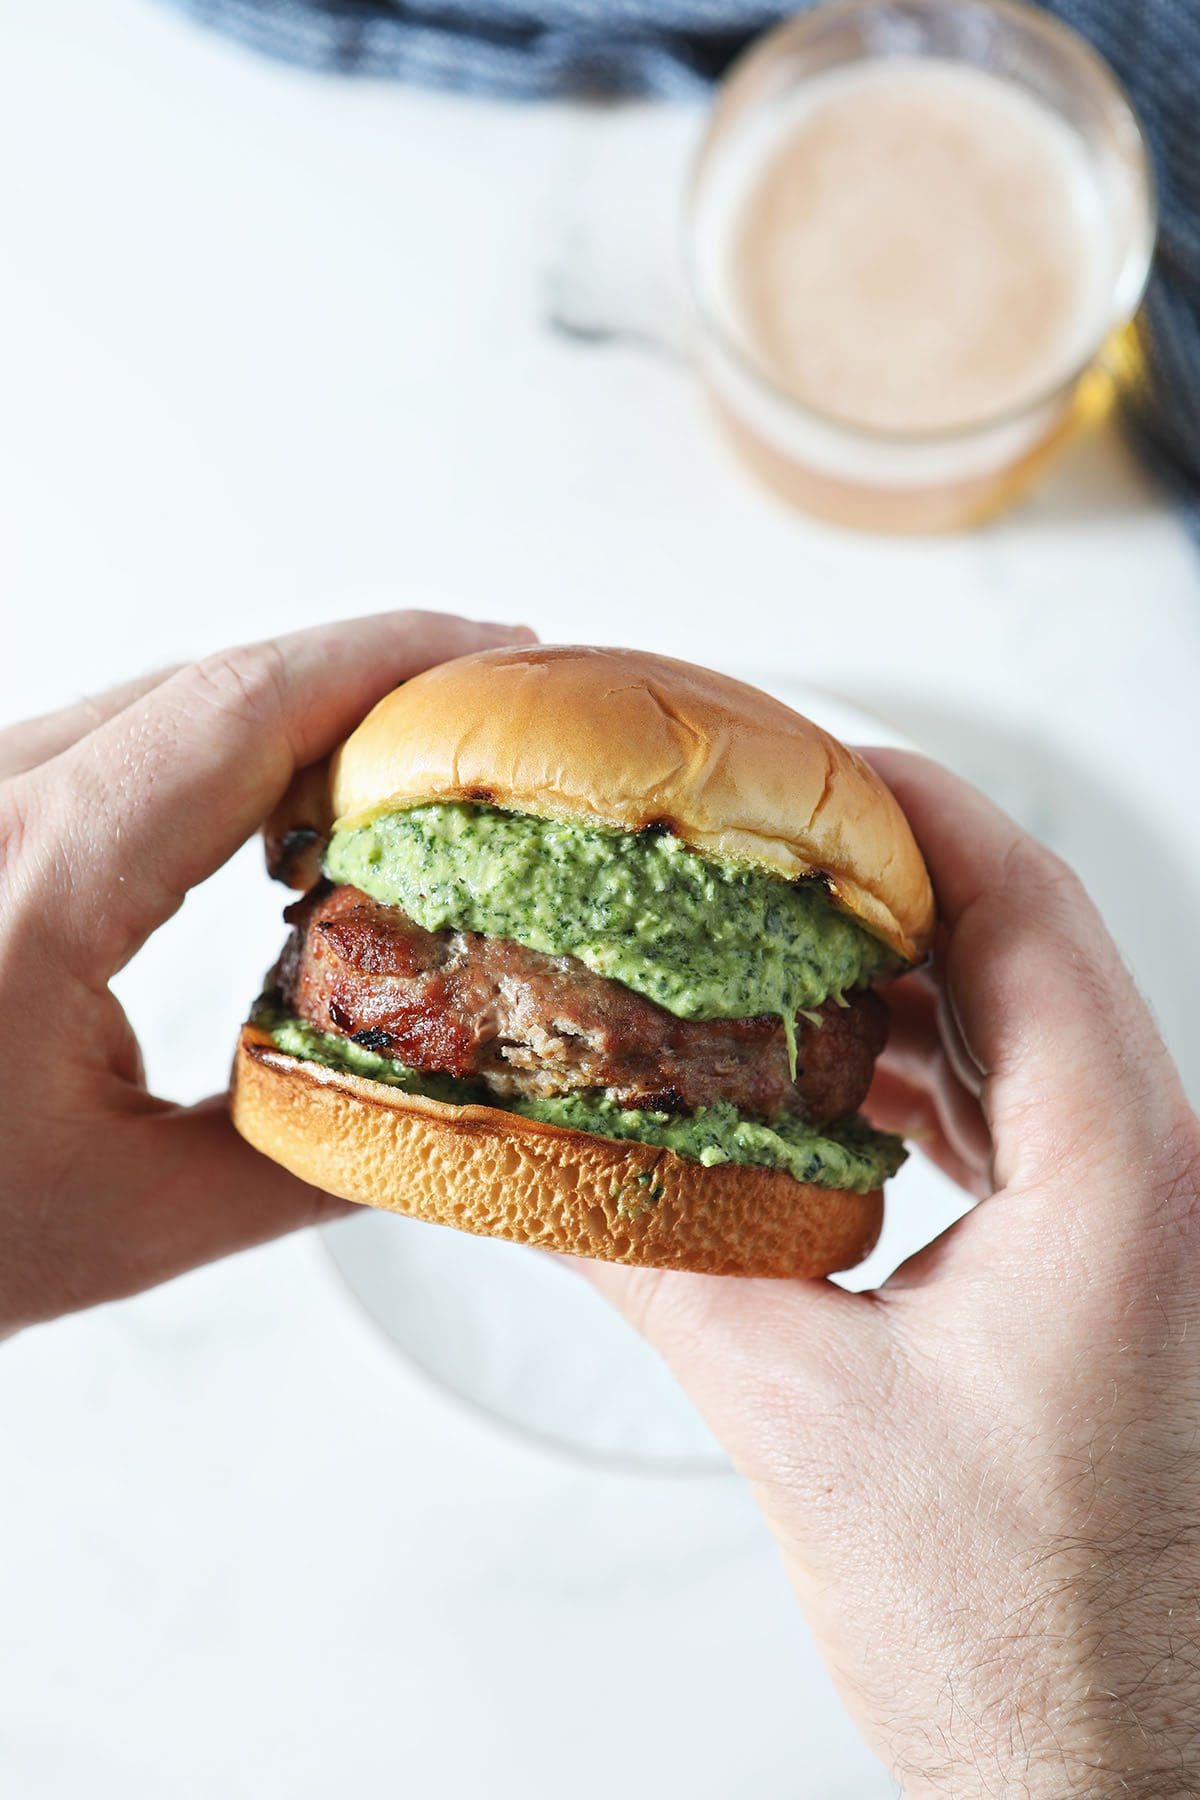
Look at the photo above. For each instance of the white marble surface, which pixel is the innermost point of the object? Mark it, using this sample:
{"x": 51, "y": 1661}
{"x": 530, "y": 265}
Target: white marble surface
{"x": 274, "y": 348}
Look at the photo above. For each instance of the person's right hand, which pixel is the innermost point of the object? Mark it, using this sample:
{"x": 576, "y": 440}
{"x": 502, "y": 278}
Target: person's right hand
{"x": 985, "y": 1478}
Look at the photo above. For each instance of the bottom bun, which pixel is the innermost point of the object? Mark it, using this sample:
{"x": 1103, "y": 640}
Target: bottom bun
{"x": 501, "y": 1175}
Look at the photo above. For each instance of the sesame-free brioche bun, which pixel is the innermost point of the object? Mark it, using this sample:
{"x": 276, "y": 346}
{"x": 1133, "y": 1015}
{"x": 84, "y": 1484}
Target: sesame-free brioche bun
{"x": 504, "y": 1176}
{"x": 627, "y": 739}
{"x": 622, "y": 739}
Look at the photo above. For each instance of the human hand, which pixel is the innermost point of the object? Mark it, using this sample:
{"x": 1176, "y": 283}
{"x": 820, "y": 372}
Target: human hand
{"x": 109, "y": 813}
{"x": 984, "y": 1477}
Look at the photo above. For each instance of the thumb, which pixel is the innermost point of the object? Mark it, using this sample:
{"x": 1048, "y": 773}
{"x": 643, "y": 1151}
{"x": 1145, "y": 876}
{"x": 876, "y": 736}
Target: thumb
{"x": 763, "y": 1360}
{"x": 1041, "y": 1019}
{"x": 201, "y": 1191}
{"x": 163, "y": 793}
{"x": 175, "y": 1187}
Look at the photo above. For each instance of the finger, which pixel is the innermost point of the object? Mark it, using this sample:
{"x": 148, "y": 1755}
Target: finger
{"x": 970, "y": 846}
{"x": 180, "y": 1188}
{"x": 295, "y": 833}
{"x": 35, "y": 741}
{"x": 936, "y": 1262}
{"x": 922, "y": 1019}
{"x": 916, "y": 1057}
{"x": 954, "y": 1114}
{"x": 120, "y": 827}
{"x": 913, "y": 1113}
{"x": 762, "y": 1360}
{"x": 1064, "y": 1052}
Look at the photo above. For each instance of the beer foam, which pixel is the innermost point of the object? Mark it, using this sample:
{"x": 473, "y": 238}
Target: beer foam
{"x": 911, "y": 244}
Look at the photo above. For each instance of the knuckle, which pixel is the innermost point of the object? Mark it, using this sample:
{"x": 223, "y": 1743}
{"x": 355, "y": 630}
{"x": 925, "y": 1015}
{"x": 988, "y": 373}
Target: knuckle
{"x": 1042, "y": 873}
{"x": 249, "y": 681}
{"x": 32, "y": 881}
{"x": 1057, "y": 917}
{"x": 14, "y": 827}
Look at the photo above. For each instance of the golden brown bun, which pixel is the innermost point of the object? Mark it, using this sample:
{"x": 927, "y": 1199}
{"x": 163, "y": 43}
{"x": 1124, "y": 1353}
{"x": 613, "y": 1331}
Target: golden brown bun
{"x": 620, "y": 737}
{"x": 503, "y": 1176}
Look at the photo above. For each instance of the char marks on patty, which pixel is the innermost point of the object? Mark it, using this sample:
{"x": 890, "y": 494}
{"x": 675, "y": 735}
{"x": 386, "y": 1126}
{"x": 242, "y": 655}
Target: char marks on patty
{"x": 528, "y": 1024}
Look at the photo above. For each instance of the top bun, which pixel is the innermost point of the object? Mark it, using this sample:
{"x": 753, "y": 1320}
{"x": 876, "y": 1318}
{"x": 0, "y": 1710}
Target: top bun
{"x": 626, "y": 739}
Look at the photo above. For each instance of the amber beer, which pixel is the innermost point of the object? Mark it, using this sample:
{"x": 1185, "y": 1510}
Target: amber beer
{"x": 911, "y": 238}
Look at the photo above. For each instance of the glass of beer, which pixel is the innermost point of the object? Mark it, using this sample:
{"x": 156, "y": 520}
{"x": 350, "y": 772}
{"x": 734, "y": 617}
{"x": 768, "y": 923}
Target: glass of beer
{"x": 916, "y": 230}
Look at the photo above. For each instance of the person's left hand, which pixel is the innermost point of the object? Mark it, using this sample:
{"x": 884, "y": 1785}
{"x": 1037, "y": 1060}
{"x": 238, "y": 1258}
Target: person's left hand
{"x": 109, "y": 813}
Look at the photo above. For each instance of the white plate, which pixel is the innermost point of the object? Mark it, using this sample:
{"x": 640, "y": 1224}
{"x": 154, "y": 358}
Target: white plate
{"x": 521, "y": 1336}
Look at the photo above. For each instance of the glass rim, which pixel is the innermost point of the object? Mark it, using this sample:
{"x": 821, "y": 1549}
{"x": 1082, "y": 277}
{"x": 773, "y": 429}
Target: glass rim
{"x": 1102, "y": 78}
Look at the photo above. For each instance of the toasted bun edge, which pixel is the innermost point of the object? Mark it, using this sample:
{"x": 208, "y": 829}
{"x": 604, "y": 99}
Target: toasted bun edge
{"x": 499, "y": 1175}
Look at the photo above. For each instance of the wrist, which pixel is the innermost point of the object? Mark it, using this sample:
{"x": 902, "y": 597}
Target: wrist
{"x": 1097, "y": 1694}
{"x": 1047, "y": 1747}
{"x": 1071, "y": 1778}
{"x": 1162, "y": 1767}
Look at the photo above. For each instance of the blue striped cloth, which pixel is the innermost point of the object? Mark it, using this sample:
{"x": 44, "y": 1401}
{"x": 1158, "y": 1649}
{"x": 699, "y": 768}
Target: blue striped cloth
{"x": 677, "y": 48}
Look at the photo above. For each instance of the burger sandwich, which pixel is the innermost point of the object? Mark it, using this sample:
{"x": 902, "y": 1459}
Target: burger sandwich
{"x": 587, "y": 960}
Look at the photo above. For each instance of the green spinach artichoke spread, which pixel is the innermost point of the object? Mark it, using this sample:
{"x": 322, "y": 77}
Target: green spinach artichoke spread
{"x": 605, "y": 981}
{"x": 847, "y": 1155}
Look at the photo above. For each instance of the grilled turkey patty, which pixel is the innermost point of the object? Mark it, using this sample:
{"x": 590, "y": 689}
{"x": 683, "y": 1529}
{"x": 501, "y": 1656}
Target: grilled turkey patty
{"x": 528, "y": 1024}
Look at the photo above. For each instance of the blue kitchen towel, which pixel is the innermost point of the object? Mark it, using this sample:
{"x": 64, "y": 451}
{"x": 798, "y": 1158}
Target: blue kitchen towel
{"x": 500, "y": 47}
{"x": 677, "y": 48}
